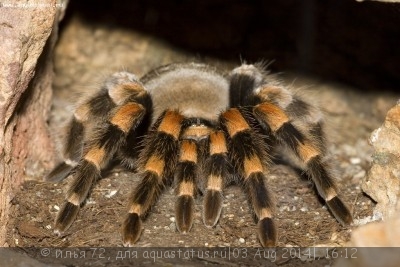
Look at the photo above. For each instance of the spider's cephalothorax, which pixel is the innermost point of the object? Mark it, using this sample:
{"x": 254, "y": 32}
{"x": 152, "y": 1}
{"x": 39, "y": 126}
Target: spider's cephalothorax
{"x": 189, "y": 125}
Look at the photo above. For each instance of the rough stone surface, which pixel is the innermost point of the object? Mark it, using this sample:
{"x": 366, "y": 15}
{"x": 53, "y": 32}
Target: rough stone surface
{"x": 366, "y": 241}
{"x": 382, "y": 182}
{"x": 29, "y": 31}
{"x": 378, "y": 234}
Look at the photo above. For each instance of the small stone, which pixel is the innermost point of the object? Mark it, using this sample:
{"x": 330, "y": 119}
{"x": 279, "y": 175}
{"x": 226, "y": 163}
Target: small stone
{"x": 111, "y": 193}
{"x": 283, "y": 208}
{"x": 334, "y": 236}
{"x": 359, "y": 175}
{"x": 90, "y": 201}
{"x": 355, "y": 161}
{"x": 230, "y": 196}
{"x": 241, "y": 240}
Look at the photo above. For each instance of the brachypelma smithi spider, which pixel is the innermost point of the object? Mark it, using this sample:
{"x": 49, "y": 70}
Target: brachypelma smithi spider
{"x": 191, "y": 126}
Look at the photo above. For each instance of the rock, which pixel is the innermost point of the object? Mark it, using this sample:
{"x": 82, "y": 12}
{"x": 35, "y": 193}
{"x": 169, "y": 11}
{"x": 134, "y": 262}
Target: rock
{"x": 378, "y": 234}
{"x": 374, "y": 245}
{"x": 382, "y": 182}
{"x": 29, "y": 32}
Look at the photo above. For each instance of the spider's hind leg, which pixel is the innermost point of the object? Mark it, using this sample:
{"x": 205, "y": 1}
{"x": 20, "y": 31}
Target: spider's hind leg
{"x": 88, "y": 115}
{"x": 97, "y": 154}
{"x": 75, "y": 133}
{"x": 309, "y": 146}
{"x": 277, "y": 111}
{"x": 107, "y": 137}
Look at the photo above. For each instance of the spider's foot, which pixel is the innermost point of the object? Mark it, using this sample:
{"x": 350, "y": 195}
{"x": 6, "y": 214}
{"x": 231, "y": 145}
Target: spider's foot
{"x": 267, "y": 232}
{"x": 66, "y": 216}
{"x": 131, "y": 229}
{"x": 184, "y": 213}
{"x": 340, "y": 211}
{"x": 212, "y": 207}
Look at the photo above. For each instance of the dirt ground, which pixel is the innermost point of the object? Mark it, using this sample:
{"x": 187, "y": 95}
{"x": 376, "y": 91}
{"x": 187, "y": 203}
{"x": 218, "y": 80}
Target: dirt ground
{"x": 302, "y": 219}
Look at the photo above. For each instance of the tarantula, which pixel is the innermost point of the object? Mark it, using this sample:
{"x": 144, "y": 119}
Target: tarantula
{"x": 190, "y": 125}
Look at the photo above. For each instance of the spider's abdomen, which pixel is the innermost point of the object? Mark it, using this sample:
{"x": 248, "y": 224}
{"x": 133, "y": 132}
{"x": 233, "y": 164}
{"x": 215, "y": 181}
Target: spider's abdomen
{"x": 194, "y": 89}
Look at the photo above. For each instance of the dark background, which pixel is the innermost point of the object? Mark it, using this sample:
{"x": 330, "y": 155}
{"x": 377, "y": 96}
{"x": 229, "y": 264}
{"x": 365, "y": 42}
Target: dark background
{"x": 353, "y": 42}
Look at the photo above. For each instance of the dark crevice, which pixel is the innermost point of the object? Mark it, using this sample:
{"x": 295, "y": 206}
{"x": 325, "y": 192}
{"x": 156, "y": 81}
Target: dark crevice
{"x": 340, "y": 40}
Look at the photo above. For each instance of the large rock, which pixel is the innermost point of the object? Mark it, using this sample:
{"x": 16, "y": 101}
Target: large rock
{"x": 29, "y": 31}
{"x": 382, "y": 182}
{"x": 374, "y": 244}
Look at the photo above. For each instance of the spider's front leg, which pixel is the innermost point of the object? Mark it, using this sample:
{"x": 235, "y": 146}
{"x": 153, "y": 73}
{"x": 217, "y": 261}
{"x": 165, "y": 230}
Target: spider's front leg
{"x": 185, "y": 179}
{"x": 248, "y": 153}
{"x": 157, "y": 163}
{"x": 214, "y": 163}
{"x": 216, "y": 175}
